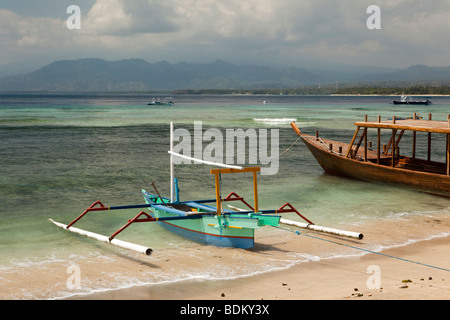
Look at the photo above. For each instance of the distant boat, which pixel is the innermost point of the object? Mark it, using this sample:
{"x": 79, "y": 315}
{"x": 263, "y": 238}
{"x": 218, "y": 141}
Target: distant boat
{"x": 408, "y": 100}
{"x": 165, "y": 102}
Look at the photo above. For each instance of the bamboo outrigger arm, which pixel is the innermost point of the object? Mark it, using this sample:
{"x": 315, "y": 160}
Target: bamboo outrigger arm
{"x": 98, "y": 206}
{"x": 287, "y": 207}
{"x": 140, "y": 217}
{"x": 333, "y": 231}
{"x": 114, "y": 242}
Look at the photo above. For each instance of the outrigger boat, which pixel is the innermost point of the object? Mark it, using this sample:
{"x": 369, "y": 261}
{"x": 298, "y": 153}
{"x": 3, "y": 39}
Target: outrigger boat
{"x": 201, "y": 222}
{"x": 386, "y": 164}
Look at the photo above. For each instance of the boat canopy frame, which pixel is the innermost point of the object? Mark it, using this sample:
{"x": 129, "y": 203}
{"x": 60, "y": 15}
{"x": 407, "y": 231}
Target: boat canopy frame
{"x": 217, "y": 173}
{"x": 415, "y": 125}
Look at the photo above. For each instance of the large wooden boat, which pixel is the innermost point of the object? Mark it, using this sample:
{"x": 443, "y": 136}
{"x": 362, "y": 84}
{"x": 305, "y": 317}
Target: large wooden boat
{"x": 385, "y": 163}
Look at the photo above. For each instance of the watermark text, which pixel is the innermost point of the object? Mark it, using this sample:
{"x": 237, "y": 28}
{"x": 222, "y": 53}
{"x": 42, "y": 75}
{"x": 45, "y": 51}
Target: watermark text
{"x": 74, "y": 280}
{"x": 229, "y": 148}
{"x": 74, "y": 21}
{"x": 374, "y": 20}
{"x": 374, "y": 280}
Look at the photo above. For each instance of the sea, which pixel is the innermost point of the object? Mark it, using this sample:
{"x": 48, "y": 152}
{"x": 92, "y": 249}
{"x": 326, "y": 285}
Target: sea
{"x": 61, "y": 152}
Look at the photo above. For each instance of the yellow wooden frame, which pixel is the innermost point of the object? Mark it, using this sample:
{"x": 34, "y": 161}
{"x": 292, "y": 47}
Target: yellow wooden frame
{"x": 218, "y": 172}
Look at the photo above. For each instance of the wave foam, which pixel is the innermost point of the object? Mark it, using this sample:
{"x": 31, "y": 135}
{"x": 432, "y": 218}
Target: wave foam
{"x": 274, "y": 121}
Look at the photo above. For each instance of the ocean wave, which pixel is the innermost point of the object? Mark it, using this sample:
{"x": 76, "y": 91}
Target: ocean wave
{"x": 274, "y": 121}
{"x": 406, "y": 214}
{"x": 282, "y": 121}
{"x": 222, "y": 273}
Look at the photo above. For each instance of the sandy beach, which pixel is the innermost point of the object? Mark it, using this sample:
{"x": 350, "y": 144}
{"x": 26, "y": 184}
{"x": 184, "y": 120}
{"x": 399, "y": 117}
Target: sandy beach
{"x": 334, "y": 279}
{"x": 413, "y": 271}
{"x": 416, "y": 269}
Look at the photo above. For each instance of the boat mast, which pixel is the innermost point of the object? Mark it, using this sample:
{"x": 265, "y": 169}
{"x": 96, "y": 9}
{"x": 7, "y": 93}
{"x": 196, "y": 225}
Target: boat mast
{"x": 172, "y": 154}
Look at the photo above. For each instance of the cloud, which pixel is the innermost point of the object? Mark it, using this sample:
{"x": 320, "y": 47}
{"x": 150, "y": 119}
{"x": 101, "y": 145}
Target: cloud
{"x": 121, "y": 18}
{"x": 19, "y": 32}
{"x": 287, "y": 31}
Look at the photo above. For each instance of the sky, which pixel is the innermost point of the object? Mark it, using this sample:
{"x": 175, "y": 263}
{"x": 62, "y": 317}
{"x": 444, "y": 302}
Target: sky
{"x": 299, "y": 33}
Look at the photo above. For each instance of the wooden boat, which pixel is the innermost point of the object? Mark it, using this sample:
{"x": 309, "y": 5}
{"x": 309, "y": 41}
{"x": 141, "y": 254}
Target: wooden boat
{"x": 409, "y": 100}
{"x": 212, "y": 225}
{"x": 199, "y": 221}
{"x": 386, "y": 164}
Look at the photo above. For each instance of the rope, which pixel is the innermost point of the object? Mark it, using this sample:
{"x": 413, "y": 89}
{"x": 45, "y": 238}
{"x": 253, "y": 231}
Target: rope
{"x": 332, "y": 151}
{"x": 370, "y": 251}
{"x": 287, "y": 150}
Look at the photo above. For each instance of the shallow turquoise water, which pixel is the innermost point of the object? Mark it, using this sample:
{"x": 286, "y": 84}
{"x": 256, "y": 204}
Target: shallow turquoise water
{"x": 60, "y": 153}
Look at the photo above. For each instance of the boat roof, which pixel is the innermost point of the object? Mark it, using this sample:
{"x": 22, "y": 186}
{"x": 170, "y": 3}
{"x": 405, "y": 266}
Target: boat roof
{"x": 409, "y": 124}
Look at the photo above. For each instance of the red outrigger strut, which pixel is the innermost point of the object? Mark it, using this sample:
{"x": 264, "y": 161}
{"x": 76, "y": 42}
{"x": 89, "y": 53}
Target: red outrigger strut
{"x": 98, "y": 206}
{"x": 292, "y": 209}
{"x": 234, "y": 197}
{"x": 90, "y": 208}
{"x": 147, "y": 218}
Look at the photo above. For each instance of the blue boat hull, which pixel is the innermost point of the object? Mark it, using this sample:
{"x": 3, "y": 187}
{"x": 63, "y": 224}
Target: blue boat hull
{"x": 209, "y": 239}
{"x": 207, "y": 229}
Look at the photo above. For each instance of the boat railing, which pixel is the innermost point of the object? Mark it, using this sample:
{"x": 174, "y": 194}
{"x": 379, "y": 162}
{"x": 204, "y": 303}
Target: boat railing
{"x": 389, "y": 154}
{"x": 392, "y": 149}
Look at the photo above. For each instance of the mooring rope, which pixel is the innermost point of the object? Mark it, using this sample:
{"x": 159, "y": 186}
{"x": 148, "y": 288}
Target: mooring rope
{"x": 369, "y": 251}
{"x": 286, "y": 150}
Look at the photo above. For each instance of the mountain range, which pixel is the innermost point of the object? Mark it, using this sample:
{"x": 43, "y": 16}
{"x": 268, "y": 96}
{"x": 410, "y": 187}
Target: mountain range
{"x": 97, "y": 75}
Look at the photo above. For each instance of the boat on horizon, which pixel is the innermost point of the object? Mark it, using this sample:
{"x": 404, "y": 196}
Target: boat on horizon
{"x": 158, "y": 102}
{"x": 409, "y": 100}
{"x": 385, "y": 163}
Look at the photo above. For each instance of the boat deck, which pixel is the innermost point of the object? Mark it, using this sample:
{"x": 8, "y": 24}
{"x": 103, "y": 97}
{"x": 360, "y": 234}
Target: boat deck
{"x": 409, "y": 124}
{"x": 341, "y": 148}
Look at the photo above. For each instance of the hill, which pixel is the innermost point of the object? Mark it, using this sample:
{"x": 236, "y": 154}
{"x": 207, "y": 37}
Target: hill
{"x": 97, "y": 75}
{"x": 140, "y": 75}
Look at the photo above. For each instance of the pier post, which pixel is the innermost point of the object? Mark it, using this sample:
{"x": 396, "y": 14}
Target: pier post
{"x": 448, "y": 154}
{"x": 429, "y": 141}
{"x": 365, "y": 140}
{"x": 394, "y": 146}
{"x": 378, "y": 141}
{"x": 448, "y": 147}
